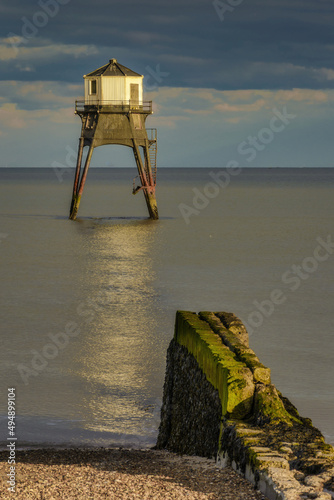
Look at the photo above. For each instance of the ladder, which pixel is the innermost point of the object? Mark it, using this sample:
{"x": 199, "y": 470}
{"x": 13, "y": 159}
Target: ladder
{"x": 153, "y": 150}
{"x": 150, "y": 161}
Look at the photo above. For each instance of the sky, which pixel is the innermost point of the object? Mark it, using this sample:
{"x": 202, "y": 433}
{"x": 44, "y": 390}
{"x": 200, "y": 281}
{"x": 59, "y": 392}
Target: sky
{"x": 249, "y": 81}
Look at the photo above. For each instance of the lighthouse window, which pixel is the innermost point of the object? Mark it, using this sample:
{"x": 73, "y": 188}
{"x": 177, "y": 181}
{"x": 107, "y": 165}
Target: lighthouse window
{"x": 93, "y": 87}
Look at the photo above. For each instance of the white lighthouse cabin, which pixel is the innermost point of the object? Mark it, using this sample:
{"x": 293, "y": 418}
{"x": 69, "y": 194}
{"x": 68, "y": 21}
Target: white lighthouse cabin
{"x": 113, "y": 85}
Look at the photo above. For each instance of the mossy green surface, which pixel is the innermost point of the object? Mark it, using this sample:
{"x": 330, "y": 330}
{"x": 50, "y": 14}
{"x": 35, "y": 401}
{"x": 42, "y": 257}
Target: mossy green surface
{"x": 232, "y": 379}
{"x": 234, "y": 325}
{"x": 243, "y": 353}
{"x": 269, "y": 408}
{"x": 258, "y": 428}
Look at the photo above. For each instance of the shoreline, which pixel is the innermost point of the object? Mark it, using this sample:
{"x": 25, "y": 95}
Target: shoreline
{"x": 121, "y": 473}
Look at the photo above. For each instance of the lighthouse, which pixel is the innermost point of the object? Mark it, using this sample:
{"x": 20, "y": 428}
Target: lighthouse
{"x": 113, "y": 112}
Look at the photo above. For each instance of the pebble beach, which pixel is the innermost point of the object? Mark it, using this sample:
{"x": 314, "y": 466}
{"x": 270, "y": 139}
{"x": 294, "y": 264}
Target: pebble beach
{"x": 117, "y": 473}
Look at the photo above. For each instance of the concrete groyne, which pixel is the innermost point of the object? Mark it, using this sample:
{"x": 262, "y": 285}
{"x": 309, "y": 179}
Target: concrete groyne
{"x": 219, "y": 402}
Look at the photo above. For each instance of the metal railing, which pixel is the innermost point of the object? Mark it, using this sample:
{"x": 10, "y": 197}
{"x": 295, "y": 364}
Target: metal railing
{"x": 151, "y": 134}
{"x": 82, "y": 105}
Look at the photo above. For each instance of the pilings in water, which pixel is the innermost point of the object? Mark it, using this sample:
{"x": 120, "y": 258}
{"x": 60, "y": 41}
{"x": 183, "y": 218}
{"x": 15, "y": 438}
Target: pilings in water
{"x": 145, "y": 175}
{"x": 147, "y": 179}
{"x": 102, "y": 125}
{"x": 79, "y": 180}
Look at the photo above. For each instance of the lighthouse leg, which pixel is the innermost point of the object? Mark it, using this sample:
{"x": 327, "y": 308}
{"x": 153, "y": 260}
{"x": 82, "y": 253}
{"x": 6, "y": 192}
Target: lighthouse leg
{"x": 77, "y": 175}
{"x": 151, "y": 203}
{"x": 79, "y": 186}
{"x": 147, "y": 184}
{"x": 150, "y": 192}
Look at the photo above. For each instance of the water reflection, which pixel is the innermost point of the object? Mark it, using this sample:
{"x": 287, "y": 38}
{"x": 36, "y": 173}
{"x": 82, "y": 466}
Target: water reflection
{"x": 118, "y": 355}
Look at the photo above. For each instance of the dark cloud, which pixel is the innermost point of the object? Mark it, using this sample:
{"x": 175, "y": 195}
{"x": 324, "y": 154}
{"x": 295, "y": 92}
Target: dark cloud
{"x": 260, "y": 44}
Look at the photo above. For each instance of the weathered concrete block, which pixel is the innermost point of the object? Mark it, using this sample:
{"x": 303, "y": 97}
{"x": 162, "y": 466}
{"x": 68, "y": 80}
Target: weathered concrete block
{"x": 235, "y": 325}
{"x": 232, "y": 379}
{"x": 218, "y": 399}
{"x": 233, "y": 341}
{"x": 191, "y": 410}
{"x": 269, "y": 408}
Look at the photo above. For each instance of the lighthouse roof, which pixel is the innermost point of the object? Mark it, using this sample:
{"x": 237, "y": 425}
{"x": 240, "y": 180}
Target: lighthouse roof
{"x": 113, "y": 68}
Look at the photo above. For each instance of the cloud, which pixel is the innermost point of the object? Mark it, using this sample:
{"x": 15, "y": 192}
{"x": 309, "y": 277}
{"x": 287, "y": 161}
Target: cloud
{"x": 325, "y": 74}
{"x": 203, "y": 112}
{"x": 24, "y": 102}
{"x": 167, "y": 122}
{"x": 39, "y": 94}
{"x": 31, "y": 104}
{"x": 11, "y": 116}
{"x": 241, "y": 108}
{"x": 305, "y": 95}
{"x": 221, "y": 79}
{"x": 229, "y": 104}
{"x": 205, "y": 126}
{"x": 18, "y": 48}
{"x": 263, "y": 44}
{"x": 7, "y": 48}
{"x": 15, "y": 118}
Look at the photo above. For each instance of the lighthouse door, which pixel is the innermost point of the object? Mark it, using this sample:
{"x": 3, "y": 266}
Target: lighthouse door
{"x": 134, "y": 95}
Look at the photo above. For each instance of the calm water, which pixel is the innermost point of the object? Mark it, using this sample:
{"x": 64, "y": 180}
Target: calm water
{"x": 113, "y": 280}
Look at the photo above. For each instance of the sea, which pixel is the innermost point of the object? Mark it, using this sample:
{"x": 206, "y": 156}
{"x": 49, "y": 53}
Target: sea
{"x": 88, "y": 306}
